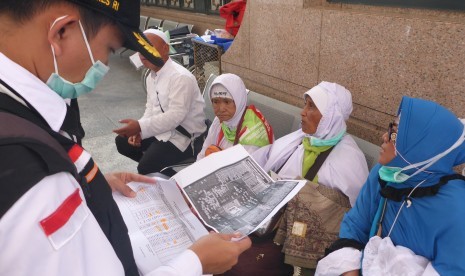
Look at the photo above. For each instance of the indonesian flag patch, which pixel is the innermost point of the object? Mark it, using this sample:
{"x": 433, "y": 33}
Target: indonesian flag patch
{"x": 65, "y": 221}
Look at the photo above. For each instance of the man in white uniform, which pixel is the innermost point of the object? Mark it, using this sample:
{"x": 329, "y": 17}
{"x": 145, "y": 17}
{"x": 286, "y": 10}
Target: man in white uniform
{"x": 173, "y": 119}
{"x": 65, "y": 222}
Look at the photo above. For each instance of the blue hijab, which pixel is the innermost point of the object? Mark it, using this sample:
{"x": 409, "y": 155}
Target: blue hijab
{"x": 425, "y": 130}
{"x": 434, "y": 226}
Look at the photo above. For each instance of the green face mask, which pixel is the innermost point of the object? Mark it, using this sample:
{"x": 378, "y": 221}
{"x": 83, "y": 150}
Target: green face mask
{"x": 317, "y": 142}
{"x": 396, "y": 175}
{"x": 392, "y": 174}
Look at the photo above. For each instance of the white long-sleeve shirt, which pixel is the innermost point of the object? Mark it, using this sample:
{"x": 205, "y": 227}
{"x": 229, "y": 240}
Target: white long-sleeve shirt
{"x": 174, "y": 89}
{"x": 79, "y": 247}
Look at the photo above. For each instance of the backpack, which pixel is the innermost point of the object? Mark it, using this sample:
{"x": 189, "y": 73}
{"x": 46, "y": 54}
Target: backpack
{"x": 27, "y": 155}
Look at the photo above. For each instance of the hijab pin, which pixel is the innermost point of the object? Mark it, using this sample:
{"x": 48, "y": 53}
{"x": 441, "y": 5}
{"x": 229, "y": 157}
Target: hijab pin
{"x": 409, "y": 202}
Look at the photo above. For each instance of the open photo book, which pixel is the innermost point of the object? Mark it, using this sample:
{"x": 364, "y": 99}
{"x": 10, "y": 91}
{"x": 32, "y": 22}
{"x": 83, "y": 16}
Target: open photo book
{"x": 228, "y": 190}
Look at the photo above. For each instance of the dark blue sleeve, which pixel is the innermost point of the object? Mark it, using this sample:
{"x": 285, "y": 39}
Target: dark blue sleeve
{"x": 357, "y": 222}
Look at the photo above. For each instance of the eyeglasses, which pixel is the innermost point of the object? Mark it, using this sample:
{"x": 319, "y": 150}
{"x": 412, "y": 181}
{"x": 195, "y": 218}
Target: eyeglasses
{"x": 392, "y": 134}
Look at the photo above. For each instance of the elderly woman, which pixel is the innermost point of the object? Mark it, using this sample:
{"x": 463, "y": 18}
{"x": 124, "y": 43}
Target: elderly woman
{"x": 412, "y": 205}
{"x": 323, "y": 153}
{"x": 229, "y": 99}
{"x": 327, "y": 107}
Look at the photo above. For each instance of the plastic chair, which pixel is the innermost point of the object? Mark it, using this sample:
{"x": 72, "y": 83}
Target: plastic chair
{"x": 209, "y": 114}
{"x": 168, "y": 25}
{"x": 189, "y": 26}
{"x": 153, "y": 23}
{"x": 144, "y": 75}
{"x": 143, "y": 22}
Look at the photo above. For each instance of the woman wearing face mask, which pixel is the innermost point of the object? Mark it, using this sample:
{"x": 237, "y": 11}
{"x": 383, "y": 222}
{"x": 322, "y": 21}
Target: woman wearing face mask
{"x": 412, "y": 205}
{"x": 229, "y": 99}
{"x": 322, "y": 152}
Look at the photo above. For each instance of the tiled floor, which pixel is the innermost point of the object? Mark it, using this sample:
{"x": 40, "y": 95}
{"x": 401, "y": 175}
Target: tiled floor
{"x": 119, "y": 96}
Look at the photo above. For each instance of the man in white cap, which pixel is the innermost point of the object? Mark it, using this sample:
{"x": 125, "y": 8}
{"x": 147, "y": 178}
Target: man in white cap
{"x": 173, "y": 122}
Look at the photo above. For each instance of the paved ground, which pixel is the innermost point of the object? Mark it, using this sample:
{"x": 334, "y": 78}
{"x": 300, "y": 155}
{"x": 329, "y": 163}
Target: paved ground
{"x": 119, "y": 96}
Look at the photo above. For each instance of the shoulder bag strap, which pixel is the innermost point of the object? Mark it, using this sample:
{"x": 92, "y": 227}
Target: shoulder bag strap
{"x": 320, "y": 159}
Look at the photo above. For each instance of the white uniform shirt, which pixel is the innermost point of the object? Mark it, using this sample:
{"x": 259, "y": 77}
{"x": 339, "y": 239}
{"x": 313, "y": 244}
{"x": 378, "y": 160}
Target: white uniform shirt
{"x": 174, "y": 89}
{"x": 78, "y": 247}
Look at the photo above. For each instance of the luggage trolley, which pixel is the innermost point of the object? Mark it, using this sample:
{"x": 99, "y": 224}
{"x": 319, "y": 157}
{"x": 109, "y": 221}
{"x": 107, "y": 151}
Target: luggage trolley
{"x": 207, "y": 61}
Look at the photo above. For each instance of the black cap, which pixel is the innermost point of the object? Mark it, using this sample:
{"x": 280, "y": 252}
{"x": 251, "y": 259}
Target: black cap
{"x": 126, "y": 13}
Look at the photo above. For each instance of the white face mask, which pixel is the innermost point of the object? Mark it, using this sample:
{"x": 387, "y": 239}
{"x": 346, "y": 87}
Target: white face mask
{"x": 69, "y": 90}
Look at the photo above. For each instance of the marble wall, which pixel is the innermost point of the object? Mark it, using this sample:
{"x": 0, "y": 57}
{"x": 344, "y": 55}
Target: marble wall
{"x": 379, "y": 53}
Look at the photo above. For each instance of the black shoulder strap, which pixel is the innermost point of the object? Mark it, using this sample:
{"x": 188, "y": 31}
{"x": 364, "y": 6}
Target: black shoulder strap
{"x": 398, "y": 195}
{"x": 10, "y": 105}
{"x": 28, "y": 154}
{"x": 320, "y": 159}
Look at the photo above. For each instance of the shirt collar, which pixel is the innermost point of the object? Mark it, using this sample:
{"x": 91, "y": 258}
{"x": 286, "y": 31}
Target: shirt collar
{"x": 49, "y": 105}
{"x": 165, "y": 68}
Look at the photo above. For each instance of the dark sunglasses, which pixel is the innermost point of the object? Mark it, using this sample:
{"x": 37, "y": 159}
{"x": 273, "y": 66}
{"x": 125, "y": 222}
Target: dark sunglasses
{"x": 392, "y": 135}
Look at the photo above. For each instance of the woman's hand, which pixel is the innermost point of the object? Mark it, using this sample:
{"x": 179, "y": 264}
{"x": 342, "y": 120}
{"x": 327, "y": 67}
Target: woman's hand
{"x": 351, "y": 273}
{"x": 118, "y": 182}
{"x": 212, "y": 149}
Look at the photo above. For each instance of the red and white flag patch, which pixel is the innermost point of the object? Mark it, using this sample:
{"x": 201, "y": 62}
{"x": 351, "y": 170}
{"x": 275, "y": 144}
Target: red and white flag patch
{"x": 79, "y": 156}
{"x": 65, "y": 221}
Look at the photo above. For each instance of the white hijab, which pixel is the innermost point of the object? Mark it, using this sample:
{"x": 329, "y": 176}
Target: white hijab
{"x": 236, "y": 87}
{"x": 335, "y": 105}
{"x": 345, "y": 168}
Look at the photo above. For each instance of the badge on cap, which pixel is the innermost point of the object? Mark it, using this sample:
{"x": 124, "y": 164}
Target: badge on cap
{"x": 126, "y": 14}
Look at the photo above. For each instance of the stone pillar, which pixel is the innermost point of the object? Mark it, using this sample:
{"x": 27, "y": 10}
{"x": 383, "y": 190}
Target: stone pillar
{"x": 379, "y": 53}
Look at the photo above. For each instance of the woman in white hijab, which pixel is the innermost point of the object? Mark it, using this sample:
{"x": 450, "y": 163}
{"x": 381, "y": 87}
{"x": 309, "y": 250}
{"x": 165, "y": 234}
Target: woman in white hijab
{"x": 345, "y": 168}
{"x": 229, "y": 99}
{"x": 312, "y": 218}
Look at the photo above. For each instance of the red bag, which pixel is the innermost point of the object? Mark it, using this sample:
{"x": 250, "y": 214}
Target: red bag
{"x": 233, "y": 13}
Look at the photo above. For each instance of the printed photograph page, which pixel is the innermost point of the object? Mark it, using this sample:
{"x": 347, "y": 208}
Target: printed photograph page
{"x": 160, "y": 224}
{"x": 231, "y": 192}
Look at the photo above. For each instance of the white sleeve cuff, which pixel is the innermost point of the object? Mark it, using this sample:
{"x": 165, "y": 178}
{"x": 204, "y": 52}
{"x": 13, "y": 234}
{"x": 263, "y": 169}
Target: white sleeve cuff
{"x": 143, "y": 123}
{"x": 186, "y": 264}
{"x": 339, "y": 261}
